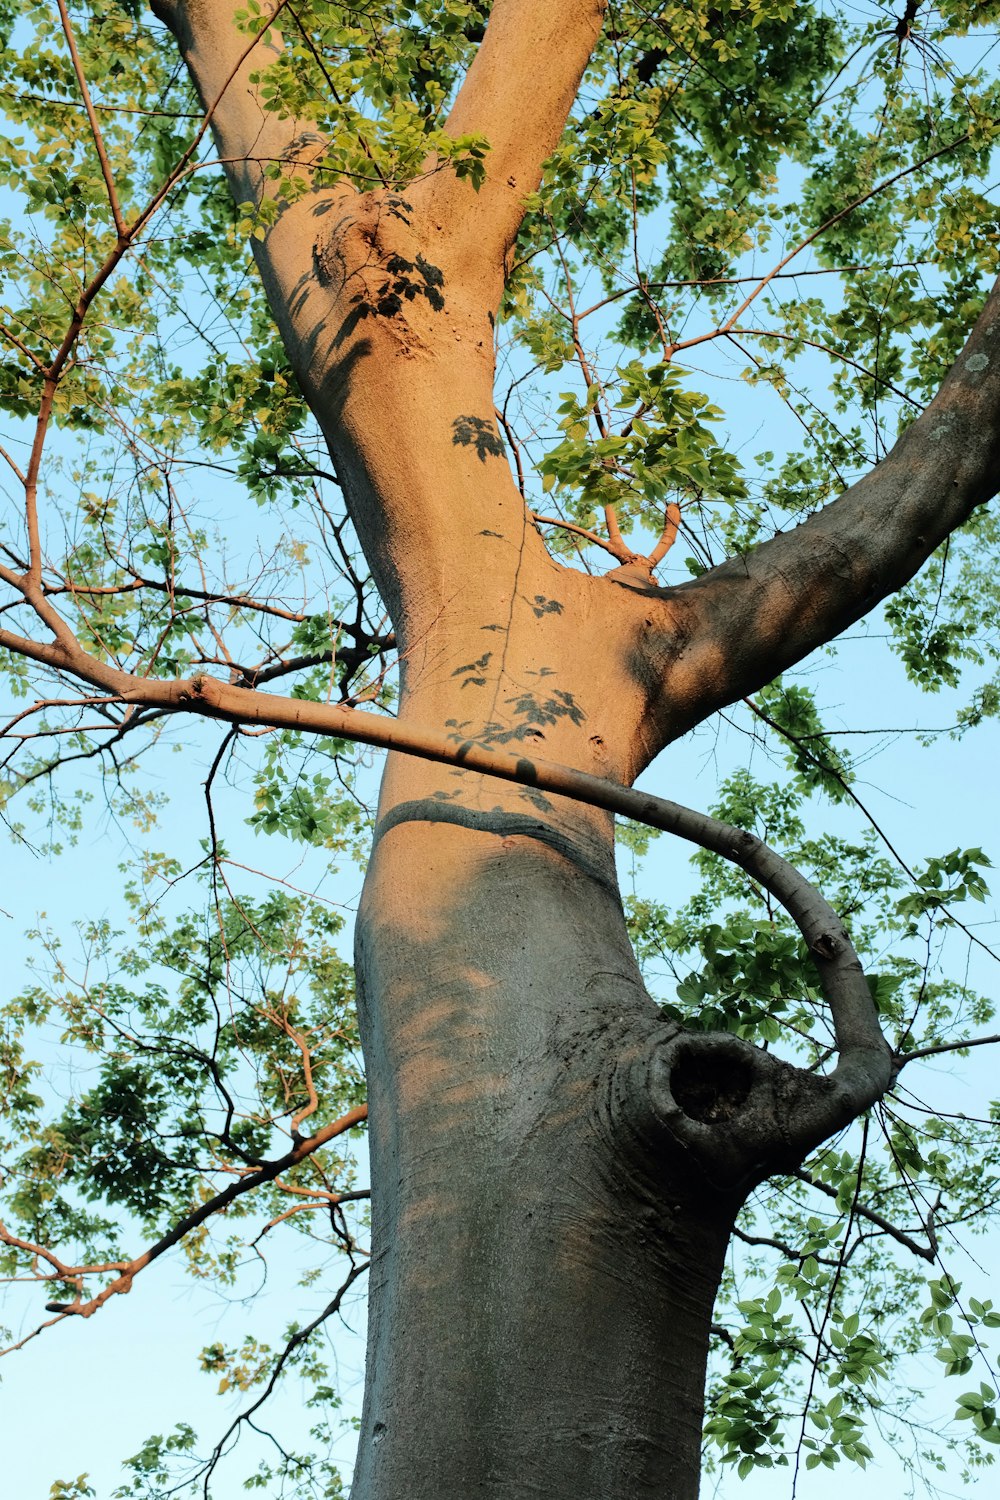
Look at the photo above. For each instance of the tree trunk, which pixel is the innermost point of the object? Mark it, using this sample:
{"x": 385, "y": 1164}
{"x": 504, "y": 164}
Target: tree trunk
{"x": 545, "y": 1260}
{"x": 542, "y": 1283}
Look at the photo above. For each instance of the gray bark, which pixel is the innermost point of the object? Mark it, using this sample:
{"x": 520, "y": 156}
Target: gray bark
{"x": 742, "y": 623}
{"x": 545, "y": 1264}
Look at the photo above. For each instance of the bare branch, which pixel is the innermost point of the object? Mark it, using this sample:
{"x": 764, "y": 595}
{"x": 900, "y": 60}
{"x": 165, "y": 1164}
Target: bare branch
{"x": 939, "y": 1048}
{"x": 671, "y": 525}
{"x": 95, "y": 129}
{"x": 298, "y": 1338}
{"x": 926, "y": 1252}
{"x": 59, "y": 1270}
{"x": 863, "y": 1069}
{"x": 590, "y": 536}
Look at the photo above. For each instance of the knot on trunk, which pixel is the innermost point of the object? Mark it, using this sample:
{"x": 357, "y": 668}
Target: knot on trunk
{"x": 372, "y": 260}
{"x": 711, "y": 1112}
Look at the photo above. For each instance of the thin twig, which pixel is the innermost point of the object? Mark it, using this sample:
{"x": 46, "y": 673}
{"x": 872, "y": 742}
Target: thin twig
{"x": 925, "y": 1252}
{"x": 95, "y": 129}
{"x": 298, "y": 1338}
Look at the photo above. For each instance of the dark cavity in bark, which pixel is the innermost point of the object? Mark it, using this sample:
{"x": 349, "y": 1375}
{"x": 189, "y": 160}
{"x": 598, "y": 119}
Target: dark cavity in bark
{"x": 710, "y": 1088}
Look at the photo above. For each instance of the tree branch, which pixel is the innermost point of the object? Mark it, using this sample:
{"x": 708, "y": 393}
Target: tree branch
{"x": 221, "y": 60}
{"x": 298, "y": 1338}
{"x": 926, "y": 1252}
{"x": 939, "y": 1048}
{"x": 95, "y": 129}
{"x": 253, "y": 1178}
{"x": 518, "y": 93}
{"x": 752, "y": 617}
{"x": 864, "y": 1067}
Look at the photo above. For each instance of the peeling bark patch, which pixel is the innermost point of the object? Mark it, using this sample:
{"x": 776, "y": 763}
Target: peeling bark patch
{"x": 328, "y": 265}
{"x": 710, "y": 1089}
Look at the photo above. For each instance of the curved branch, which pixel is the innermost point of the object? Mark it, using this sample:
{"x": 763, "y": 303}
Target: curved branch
{"x": 864, "y": 1067}
{"x": 590, "y": 536}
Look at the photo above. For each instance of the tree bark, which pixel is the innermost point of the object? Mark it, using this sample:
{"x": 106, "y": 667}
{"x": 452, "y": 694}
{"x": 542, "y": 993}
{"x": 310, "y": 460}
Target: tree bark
{"x": 744, "y": 622}
{"x": 544, "y": 1265}
{"x": 556, "y": 1170}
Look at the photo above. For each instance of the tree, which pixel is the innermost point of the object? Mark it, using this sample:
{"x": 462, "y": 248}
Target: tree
{"x": 558, "y": 1161}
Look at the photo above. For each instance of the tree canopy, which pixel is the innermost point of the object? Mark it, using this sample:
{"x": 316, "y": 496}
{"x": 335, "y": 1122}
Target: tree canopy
{"x": 755, "y": 253}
